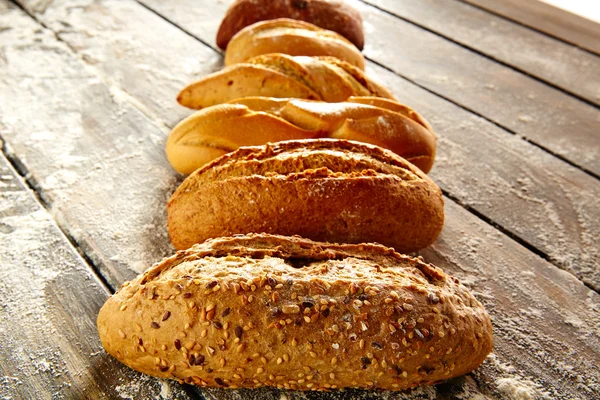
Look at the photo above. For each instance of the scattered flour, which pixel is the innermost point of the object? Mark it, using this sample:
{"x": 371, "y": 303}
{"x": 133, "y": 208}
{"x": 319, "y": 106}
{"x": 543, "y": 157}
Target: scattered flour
{"x": 165, "y": 390}
{"x": 139, "y": 389}
{"x": 519, "y": 389}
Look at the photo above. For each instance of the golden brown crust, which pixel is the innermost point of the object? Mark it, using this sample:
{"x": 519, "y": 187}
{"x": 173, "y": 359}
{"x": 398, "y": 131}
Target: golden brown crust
{"x": 292, "y": 37}
{"x": 375, "y": 88}
{"x": 263, "y": 310}
{"x": 254, "y": 121}
{"x": 215, "y": 131}
{"x": 331, "y": 15}
{"x": 330, "y": 190}
{"x": 392, "y": 106}
{"x": 281, "y": 75}
{"x": 242, "y": 80}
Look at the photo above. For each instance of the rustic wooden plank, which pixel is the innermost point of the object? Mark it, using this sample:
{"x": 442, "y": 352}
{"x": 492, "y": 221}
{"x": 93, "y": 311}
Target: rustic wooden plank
{"x": 538, "y": 307}
{"x": 573, "y": 70}
{"x": 536, "y": 313}
{"x": 536, "y": 197}
{"x": 49, "y": 301}
{"x": 548, "y": 19}
{"x": 97, "y": 160}
{"x": 550, "y": 118}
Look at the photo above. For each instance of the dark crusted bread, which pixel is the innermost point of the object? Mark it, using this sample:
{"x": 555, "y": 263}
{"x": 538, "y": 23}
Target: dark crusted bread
{"x": 333, "y": 15}
{"x": 263, "y": 310}
{"x": 323, "y": 189}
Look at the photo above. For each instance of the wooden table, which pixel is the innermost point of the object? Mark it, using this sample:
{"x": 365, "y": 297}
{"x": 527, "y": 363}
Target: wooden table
{"x": 87, "y": 93}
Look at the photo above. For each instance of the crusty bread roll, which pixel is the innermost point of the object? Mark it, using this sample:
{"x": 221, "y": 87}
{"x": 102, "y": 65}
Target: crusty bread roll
{"x": 262, "y": 310}
{"x": 332, "y": 15}
{"x": 214, "y": 131}
{"x": 295, "y": 38}
{"x": 281, "y": 75}
{"x": 325, "y": 189}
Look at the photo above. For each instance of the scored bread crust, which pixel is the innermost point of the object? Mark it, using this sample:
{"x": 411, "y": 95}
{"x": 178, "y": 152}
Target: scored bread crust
{"x": 292, "y": 37}
{"x": 332, "y": 15}
{"x": 282, "y": 75}
{"x": 251, "y": 121}
{"x": 264, "y": 310}
{"x": 322, "y": 189}
{"x": 242, "y": 80}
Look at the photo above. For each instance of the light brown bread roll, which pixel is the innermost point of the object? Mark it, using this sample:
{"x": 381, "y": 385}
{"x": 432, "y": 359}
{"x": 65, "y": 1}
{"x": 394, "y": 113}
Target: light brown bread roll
{"x": 295, "y": 38}
{"x": 217, "y": 130}
{"x": 332, "y": 15}
{"x": 284, "y": 76}
{"x": 329, "y": 190}
{"x": 263, "y": 310}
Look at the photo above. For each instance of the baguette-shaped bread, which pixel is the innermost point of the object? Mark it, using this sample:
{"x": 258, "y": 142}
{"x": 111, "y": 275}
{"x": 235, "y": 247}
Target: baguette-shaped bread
{"x": 332, "y": 15}
{"x": 286, "y": 312}
{"x": 253, "y": 121}
{"x": 242, "y": 80}
{"x": 215, "y": 131}
{"x": 281, "y": 75}
{"x": 324, "y": 189}
{"x": 292, "y": 37}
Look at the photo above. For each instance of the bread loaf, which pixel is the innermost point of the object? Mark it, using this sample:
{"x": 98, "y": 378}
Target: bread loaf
{"x": 217, "y": 130}
{"x": 329, "y": 190}
{"x": 295, "y": 38}
{"x": 280, "y": 75}
{"x": 262, "y": 310}
{"x": 328, "y": 14}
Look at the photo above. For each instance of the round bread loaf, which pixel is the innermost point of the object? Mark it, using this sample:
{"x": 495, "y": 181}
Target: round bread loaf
{"x": 263, "y": 310}
{"x": 324, "y": 189}
{"x": 288, "y": 36}
{"x": 334, "y": 15}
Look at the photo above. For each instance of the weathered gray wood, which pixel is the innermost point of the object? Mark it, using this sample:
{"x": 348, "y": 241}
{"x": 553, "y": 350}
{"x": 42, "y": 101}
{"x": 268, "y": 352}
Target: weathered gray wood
{"x": 565, "y": 66}
{"x": 548, "y": 19}
{"x": 530, "y": 193}
{"x": 538, "y": 308}
{"x": 49, "y": 299}
{"x": 536, "y": 312}
{"x": 96, "y": 159}
{"x": 554, "y": 120}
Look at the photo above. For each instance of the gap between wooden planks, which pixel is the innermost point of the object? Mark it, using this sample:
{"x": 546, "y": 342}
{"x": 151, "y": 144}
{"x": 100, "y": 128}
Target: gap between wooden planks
{"x": 50, "y": 299}
{"x": 565, "y": 66}
{"x": 523, "y": 105}
{"x": 526, "y": 191}
{"x": 539, "y": 308}
{"x": 545, "y": 18}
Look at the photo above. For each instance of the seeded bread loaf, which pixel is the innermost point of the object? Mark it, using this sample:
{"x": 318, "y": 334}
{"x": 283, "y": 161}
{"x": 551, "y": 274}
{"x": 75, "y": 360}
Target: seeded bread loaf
{"x": 262, "y": 310}
{"x": 295, "y": 38}
{"x": 332, "y": 15}
{"x": 280, "y": 75}
{"x": 217, "y": 130}
{"x": 321, "y": 189}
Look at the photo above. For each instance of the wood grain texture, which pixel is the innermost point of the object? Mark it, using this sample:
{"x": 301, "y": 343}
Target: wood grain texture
{"x": 49, "y": 301}
{"x": 548, "y": 19}
{"x": 538, "y": 308}
{"x": 553, "y": 61}
{"x": 550, "y": 118}
{"x": 86, "y": 148}
{"x": 527, "y": 191}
